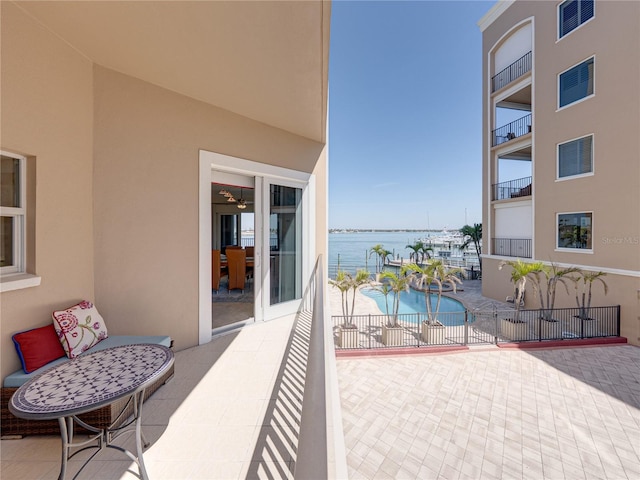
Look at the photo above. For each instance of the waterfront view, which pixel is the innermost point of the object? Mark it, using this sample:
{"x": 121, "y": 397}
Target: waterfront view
{"x": 351, "y": 250}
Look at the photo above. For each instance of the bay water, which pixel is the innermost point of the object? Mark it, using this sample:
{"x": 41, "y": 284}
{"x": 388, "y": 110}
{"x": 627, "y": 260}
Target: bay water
{"x": 353, "y": 249}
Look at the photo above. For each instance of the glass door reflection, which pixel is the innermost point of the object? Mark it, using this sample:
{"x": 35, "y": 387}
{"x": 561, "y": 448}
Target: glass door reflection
{"x": 285, "y": 243}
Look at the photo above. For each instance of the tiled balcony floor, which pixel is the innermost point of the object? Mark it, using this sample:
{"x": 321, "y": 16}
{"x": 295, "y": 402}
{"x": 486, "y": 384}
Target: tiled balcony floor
{"x": 494, "y": 413}
{"x": 230, "y": 412}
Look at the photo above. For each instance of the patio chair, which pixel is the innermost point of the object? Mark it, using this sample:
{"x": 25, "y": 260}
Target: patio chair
{"x": 237, "y": 266}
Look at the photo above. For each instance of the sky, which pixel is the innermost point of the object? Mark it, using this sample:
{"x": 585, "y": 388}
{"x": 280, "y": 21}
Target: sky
{"x": 405, "y": 114}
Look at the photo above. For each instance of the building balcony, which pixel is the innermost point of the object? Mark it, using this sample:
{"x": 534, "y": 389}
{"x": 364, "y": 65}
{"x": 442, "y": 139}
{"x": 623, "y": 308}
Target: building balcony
{"x": 520, "y": 187}
{"x": 514, "y": 71}
{"x": 511, "y": 247}
{"x": 515, "y": 129}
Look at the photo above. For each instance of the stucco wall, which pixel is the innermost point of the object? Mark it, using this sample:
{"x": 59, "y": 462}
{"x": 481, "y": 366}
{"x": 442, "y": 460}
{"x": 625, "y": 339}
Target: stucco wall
{"x": 47, "y": 115}
{"x": 146, "y": 197}
{"x": 612, "y": 115}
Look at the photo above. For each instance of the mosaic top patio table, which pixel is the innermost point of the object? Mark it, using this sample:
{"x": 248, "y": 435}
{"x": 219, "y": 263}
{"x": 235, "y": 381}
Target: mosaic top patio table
{"x": 89, "y": 382}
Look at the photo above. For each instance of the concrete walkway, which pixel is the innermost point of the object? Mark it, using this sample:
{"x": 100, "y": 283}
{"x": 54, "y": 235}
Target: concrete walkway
{"x": 231, "y": 412}
{"x": 494, "y": 413}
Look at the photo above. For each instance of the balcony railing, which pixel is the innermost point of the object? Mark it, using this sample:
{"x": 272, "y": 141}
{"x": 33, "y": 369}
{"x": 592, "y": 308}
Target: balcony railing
{"x": 521, "y": 187}
{"x": 476, "y": 327}
{"x": 512, "y": 72}
{"x": 512, "y": 130}
{"x": 321, "y": 452}
{"x": 511, "y": 247}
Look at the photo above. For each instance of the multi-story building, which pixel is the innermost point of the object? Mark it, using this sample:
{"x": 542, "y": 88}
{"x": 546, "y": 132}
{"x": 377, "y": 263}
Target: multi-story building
{"x": 561, "y": 166}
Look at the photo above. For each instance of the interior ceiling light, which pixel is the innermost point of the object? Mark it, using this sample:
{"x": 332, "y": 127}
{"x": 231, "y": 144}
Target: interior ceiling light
{"x": 231, "y": 199}
{"x": 224, "y": 192}
{"x": 242, "y": 204}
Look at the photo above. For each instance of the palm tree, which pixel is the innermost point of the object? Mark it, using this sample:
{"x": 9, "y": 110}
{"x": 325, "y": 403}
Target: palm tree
{"x": 416, "y": 251}
{"x": 420, "y": 251}
{"x": 519, "y": 273}
{"x": 345, "y": 282}
{"x": 425, "y": 251}
{"x": 473, "y": 235}
{"x": 583, "y": 286}
{"x": 395, "y": 284}
{"x": 385, "y": 290}
{"x": 381, "y": 256}
{"x": 362, "y": 277}
{"x": 545, "y": 280}
{"x": 435, "y": 272}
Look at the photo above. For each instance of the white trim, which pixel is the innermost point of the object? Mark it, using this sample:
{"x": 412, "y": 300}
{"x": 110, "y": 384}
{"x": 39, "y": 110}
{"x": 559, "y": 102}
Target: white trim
{"x": 492, "y": 15}
{"x": 569, "y": 249}
{"x": 204, "y": 251}
{"x": 492, "y": 98}
{"x": 591, "y": 268}
{"x": 558, "y": 107}
{"x": 210, "y": 161}
{"x": 579, "y": 175}
{"x": 19, "y": 215}
{"x": 558, "y": 37}
{"x": 512, "y": 204}
{"x": 574, "y": 177}
{"x": 588, "y": 251}
{"x": 18, "y": 281}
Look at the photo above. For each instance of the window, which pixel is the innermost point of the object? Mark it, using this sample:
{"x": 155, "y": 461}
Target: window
{"x": 575, "y": 230}
{"x": 572, "y": 14}
{"x": 12, "y": 212}
{"x": 575, "y": 157}
{"x": 576, "y": 83}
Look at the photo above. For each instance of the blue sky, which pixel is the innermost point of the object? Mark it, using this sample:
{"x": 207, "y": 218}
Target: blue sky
{"x": 405, "y": 114}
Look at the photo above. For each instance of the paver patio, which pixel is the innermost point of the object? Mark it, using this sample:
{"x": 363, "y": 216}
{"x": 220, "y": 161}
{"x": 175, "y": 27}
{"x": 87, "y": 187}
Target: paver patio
{"x": 494, "y": 413}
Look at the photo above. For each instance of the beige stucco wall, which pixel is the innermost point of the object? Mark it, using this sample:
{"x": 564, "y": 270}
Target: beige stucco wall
{"x": 47, "y": 114}
{"x": 613, "y": 116}
{"x": 146, "y": 197}
{"x": 117, "y": 186}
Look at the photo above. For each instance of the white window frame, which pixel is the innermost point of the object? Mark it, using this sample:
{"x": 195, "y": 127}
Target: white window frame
{"x": 210, "y": 161}
{"x": 558, "y": 16}
{"x": 579, "y": 175}
{"x": 574, "y": 250}
{"x": 586, "y": 59}
{"x": 18, "y": 214}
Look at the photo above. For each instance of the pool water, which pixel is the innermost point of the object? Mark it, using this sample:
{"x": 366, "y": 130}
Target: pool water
{"x": 413, "y": 301}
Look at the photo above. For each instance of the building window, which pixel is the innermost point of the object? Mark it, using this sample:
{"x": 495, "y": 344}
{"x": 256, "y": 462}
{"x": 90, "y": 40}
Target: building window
{"x": 576, "y": 83}
{"x": 12, "y": 213}
{"x": 575, "y": 157}
{"x": 572, "y": 14}
{"x": 575, "y": 230}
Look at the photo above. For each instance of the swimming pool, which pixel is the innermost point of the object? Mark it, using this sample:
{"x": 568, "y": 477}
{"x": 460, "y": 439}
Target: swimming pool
{"x": 411, "y": 302}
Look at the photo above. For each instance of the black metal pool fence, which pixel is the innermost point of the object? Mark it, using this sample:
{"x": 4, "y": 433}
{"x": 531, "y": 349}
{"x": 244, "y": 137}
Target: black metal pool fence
{"x": 474, "y": 327}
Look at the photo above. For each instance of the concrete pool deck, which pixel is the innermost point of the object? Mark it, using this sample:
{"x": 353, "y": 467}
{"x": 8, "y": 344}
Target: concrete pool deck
{"x": 469, "y": 293}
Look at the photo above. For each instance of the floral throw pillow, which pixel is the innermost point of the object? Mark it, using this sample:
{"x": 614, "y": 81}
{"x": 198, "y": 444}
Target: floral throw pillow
{"x": 79, "y": 328}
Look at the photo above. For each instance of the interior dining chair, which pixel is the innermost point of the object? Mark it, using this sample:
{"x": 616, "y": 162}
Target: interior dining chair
{"x": 217, "y": 271}
{"x": 250, "y": 254}
{"x": 237, "y": 265}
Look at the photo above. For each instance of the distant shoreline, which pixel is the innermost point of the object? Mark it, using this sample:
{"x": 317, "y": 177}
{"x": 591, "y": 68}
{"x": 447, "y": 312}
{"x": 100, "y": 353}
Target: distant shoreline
{"x": 384, "y": 230}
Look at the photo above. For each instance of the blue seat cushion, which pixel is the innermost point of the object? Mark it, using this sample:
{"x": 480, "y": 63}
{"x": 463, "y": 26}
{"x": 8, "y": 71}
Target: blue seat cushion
{"x": 16, "y": 379}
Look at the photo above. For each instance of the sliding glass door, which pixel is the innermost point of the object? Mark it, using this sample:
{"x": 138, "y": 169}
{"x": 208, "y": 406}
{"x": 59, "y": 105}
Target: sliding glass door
{"x": 283, "y": 247}
{"x": 283, "y": 205}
